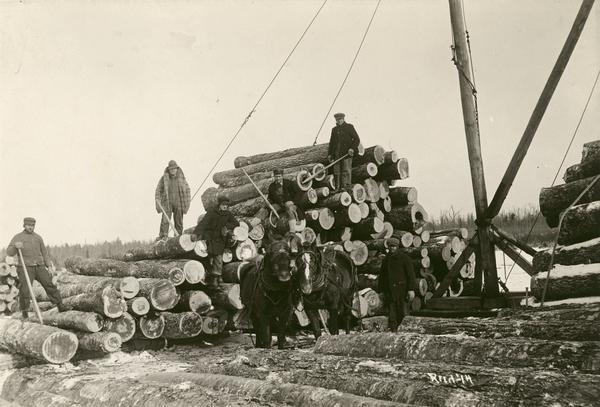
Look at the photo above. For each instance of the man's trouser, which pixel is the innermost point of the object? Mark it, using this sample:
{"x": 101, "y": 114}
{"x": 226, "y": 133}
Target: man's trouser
{"x": 177, "y": 219}
{"x": 396, "y": 313}
{"x": 342, "y": 173}
{"x": 217, "y": 265}
{"x": 41, "y": 274}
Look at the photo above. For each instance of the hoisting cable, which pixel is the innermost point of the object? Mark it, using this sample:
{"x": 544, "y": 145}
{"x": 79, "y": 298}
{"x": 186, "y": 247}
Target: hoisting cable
{"x": 561, "y": 163}
{"x": 349, "y": 70}
{"x": 249, "y": 115}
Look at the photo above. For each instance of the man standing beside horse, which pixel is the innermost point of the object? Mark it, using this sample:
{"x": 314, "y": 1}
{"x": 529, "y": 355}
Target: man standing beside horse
{"x": 281, "y": 195}
{"x": 397, "y": 282}
{"x": 344, "y": 141}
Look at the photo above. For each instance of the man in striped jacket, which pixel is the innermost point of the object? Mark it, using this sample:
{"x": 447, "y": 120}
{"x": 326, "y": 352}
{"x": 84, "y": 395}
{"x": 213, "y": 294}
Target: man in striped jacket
{"x": 172, "y": 197}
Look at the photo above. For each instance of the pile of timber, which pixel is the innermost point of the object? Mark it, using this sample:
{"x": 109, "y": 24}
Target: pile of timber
{"x": 9, "y": 290}
{"x": 575, "y": 270}
{"x": 358, "y": 220}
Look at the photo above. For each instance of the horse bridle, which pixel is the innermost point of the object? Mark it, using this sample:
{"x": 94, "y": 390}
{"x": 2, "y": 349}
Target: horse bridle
{"x": 319, "y": 278}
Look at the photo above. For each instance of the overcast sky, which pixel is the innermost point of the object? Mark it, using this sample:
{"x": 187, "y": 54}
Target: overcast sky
{"x": 97, "y": 97}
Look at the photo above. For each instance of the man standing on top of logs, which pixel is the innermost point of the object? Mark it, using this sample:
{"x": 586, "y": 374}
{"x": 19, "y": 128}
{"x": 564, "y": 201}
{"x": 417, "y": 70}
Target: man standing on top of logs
{"x": 397, "y": 282}
{"x": 216, "y": 228}
{"x": 344, "y": 140}
{"x": 36, "y": 261}
{"x": 281, "y": 196}
{"x": 172, "y": 196}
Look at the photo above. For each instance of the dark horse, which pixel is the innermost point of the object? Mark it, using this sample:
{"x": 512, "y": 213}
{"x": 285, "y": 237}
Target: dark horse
{"x": 266, "y": 291}
{"x": 327, "y": 280}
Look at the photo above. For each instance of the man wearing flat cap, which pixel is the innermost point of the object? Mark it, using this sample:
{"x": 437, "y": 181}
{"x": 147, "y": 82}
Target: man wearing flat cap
{"x": 281, "y": 195}
{"x": 397, "y": 283}
{"x": 344, "y": 140}
{"x": 216, "y": 228}
{"x": 172, "y": 198}
{"x": 36, "y": 261}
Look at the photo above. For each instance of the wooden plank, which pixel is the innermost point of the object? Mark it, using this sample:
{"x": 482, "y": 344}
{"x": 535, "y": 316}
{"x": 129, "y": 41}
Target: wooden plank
{"x": 520, "y": 245}
{"x": 516, "y": 257}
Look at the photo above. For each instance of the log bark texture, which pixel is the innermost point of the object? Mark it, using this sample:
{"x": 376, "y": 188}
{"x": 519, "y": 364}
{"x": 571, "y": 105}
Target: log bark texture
{"x": 173, "y": 247}
{"x": 590, "y": 163}
{"x": 407, "y": 217}
{"x": 244, "y": 161}
{"x": 73, "y": 284}
{"x": 105, "y": 342}
{"x": 568, "y": 282}
{"x": 554, "y": 200}
{"x": 106, "y": 302}
{"x": 588, "y": 252}
{"x": 78, "y": 320}
{"x": 182, "y": 325}
{"x": 581, "y": 223}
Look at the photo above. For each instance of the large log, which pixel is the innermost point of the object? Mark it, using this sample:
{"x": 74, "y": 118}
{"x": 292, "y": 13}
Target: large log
{"x": 73, "y": 284}
{"x": 511, "y": 352}
{"x": 494, "y": 328}
{"x": 366, "y": 227}
{"x": 357, "y": 192}
{"x": 214, "y": 322}
{"x": 151, "y": 326}
{"x": 590, "y": 163}
{"x": 124, "y": 326}
{"x": 99, "y": 267}
{"x": 138, "y": 306}
{"x": 161, "y": 293}
{"x": 580, "y": 253}
{"x": 393, "y": 171}
{"x": 172, "y": 247}
{"x": 105, "y": 342}
{"x": 384, "y": 189}
{"x": 565, "y": 312}
{"x": 364, "y": 171}
{"x": 556, "y": 199}
{"x": 407, "y": 217}
{"x": 248, "y": 208}
{"x": 42, "y": 342}
{"x": 337, "y": 200}
{"x": 581, "y": 223}
{"x": 401, "y": 196}
{"x": 78, "y": 320}
{"x": 231, "y": 271}
{"x": 244, "y": 161}
{"x": 171, "y": 270}
{"x": 372, "y": 190}
{"x": 181, "y": 325}
{"x": 227, "y": 296}
{"x": 374, "y": 154}
{"x": 290, "y": 173}
{"x": 106, "y": 302}
{"x": 582, "y": 280}
{"x": 347, "y": 216}
{"x": 359, "y": 253}
{"x": 196, "y": 301}
{"x": 309, "y": 156}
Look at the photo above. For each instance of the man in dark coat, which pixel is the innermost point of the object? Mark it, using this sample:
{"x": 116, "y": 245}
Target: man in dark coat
{"x": 281, "y": 195}
{"x": 397, "y": 282}
{"x": 344, "y": 140}
{"x": 216, "y": 228}
{"x": 36, "y": 261}
{"x": 173, "y": 194}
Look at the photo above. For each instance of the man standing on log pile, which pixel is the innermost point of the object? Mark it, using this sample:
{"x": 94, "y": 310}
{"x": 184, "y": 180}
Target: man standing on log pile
{"x": 216, "y": 228}
{"x": 396, "y": 277}
{"x": 281, "y": 196}
{"x": 36, "y": 261}
{"x": 344, "y": 140}
{"x": 173, "y": 196}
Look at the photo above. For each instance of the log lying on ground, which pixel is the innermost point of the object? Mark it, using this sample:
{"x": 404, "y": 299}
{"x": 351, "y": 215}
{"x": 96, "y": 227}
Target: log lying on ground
{"x": 308, "y": 156}
{"x": 138, "y": 306}
{"x": 105, "y": 342}
{"x": 565, "y": 312}
{"x": 494, "y": 328}
{"x": 244, "y": 161}
{"x": 227, "y": 296}
{"x": 73, "y": 284}
{"x": 415, "y": 383}
{"x": 181, "y": 325}
{"x": 556, "y": 199}
{"x": 161, "y": 293}
{"x": 194, "y": 300}
{"x": 590, "y": 163}
{"x": 580, "y": 253}
{"x": 407, "y": 217}
{"x": 582, "y": 280}
{"x": 401, "y": 196}
{"x": 581, "y": 223}
{"x": 78, "y": 320}
{"x": 164, "y": 249}
{"x": 124, "y": 326}
{"x": 106, "y": 302}
{"x": 512, "y": 352}
{"x": 42, "y": 342}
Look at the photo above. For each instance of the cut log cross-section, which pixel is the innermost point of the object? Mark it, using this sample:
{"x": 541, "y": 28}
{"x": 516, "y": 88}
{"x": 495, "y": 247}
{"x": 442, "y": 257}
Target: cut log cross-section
{"x": 151, "y": 326}
{"x": 196, "y": 301}
{"x": 78, "y": 320}
{"x": 375, "y": 154}
{"x": 42, "y": 342}
{"x": 367, "y": 227}
{"x": 171, "y": 270}
{"x": 337, "y": 200}
{"x": 105, "y": 342}
{"x": 138, "y": 306}
{"x": 124, "y": 326}
{"x": 348, "y": 216}
{"x": 181, "y": 325}
{"x": 227, "y": 296}
{"x": 401, "y": 196}
{"x": 161, "y": 293}
{"x": 372, "y": 190}
{"x": 107, "y": 302}
{"x": 73, "y": 284}
{"x": 393, "y": 171}
{"x": 364, "y": 171}
{"x": 407, "y": 217}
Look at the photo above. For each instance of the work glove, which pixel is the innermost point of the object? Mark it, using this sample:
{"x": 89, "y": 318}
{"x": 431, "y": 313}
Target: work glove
{"x": 411, "y": 295}
{"x": 19, "y": 245}
{"x": 351, "y": 152}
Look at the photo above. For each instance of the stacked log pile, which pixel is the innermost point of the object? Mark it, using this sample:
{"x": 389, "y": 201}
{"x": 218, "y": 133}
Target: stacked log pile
{"x": 575, "y": 270}
{"x": 9, "y": 290}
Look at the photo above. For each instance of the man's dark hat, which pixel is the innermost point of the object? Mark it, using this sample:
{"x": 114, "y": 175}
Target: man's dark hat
{"x": 339, "y": 115}
{"x": 172, "y": 164}
{"x": 29, "y": 221}
{"x": 278, "y": 171}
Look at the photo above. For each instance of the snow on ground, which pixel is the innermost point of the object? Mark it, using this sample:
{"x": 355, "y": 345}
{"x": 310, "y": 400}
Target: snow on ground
{"x": 518, "y": 279}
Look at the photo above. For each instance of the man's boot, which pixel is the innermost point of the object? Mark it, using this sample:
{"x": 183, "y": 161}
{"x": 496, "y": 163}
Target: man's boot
{"x": 25, "y": 314}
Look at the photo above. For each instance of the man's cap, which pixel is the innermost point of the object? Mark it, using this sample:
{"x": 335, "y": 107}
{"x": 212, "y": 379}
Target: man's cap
{"x": 392, "y": 241}
{"x": 222, "y": 199}
{"x": 339, "y": 115}
{"x": 278, "y": 171}
{"x": 172, "y": 164}
{"x": 29, "y": 221}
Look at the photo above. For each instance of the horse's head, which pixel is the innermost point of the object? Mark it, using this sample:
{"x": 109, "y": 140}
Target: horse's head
{"x": 278, "y": 261}
{"x": 309, "y": 273}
